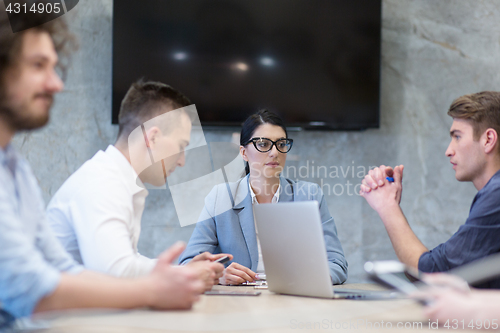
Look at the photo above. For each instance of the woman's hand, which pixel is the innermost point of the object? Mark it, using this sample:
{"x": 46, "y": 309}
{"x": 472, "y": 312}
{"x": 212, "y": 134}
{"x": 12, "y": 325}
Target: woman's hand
{"x": 237, "y": 274}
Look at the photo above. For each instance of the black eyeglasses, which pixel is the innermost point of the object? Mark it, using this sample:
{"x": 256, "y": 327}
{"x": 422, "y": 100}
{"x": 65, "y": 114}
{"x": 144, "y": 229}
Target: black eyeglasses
{"x": 264, "y": 144}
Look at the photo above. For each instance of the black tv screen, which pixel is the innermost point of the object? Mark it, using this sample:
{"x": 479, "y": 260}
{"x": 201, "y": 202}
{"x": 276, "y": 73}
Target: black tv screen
{"x": 314, "y": 62}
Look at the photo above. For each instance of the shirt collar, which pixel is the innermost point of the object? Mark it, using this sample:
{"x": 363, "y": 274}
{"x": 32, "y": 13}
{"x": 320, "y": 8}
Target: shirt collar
{"x": 8, "y": 158}
{"x": 134, "y": 182}
{"x": 276, "y": 196}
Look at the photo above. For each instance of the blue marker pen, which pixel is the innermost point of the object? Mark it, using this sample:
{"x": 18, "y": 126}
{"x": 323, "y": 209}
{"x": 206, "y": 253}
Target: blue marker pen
{"x": 390, "y": 179}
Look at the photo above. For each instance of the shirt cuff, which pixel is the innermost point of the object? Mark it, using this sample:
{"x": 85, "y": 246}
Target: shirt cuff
{"x": 45, "y": 283}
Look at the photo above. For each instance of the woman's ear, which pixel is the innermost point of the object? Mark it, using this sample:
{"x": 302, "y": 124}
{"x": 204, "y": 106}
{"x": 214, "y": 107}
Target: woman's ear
{"x": 243, "y": 153}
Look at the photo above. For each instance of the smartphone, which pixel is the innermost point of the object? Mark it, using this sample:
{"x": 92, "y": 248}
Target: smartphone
{"x": 395, "y": 275}
{"x": 222, "y": 260}
{"x": 255, "y": 283}
{"x": 232, "y": 293}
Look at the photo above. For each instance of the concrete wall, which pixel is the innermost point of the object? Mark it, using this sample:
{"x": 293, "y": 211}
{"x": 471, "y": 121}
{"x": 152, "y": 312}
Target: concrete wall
{"x": 432, "y": 52}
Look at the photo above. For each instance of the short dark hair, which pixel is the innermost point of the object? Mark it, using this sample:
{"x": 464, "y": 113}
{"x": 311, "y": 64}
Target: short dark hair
{"x": 481, "y": 109}
{"x": 11, "y": 43}
{"x": 145, "y": 100}
{"x": 255, "y": 120}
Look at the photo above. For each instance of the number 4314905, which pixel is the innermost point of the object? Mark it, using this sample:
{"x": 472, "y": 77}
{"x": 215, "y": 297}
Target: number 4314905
{"x": 478, "y": 324}
{"x": 40, "y": 8}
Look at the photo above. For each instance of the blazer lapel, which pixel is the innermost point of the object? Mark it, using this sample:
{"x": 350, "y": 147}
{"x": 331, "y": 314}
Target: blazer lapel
{"x": 286, "y": 190}
{"x": 244, "y": 210}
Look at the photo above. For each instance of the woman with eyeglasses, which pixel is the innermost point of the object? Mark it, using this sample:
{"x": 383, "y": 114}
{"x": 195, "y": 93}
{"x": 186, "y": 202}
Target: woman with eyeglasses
{"x": 230, "y": 226}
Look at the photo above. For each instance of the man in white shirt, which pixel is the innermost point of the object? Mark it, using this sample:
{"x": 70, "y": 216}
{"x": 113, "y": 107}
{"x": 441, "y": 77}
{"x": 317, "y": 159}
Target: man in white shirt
{"x": 36, "y": 274}
{"x": 96, "y": 214}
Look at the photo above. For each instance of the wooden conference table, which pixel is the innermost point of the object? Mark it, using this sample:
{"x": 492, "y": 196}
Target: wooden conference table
{"x": 268, "y": 312}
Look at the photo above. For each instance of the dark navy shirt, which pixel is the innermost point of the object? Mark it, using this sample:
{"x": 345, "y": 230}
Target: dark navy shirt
{"x": 477, "y": 238}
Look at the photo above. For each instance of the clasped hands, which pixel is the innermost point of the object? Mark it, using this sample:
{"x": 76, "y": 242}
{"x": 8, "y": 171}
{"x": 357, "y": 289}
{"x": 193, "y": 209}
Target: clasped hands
{"x": 378, "y": 191}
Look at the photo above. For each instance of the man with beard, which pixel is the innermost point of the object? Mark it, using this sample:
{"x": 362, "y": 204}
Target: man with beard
{"x": 36, "y": 274}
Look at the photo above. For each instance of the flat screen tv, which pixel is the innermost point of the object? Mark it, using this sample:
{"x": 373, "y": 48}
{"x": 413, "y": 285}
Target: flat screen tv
{"x": 314, "y": 62}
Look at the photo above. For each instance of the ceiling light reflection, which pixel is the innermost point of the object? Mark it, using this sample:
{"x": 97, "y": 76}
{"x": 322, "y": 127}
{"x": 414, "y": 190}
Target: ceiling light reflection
{"x": 241, "y": 66}
{"x": 180, "y": 56}
{"x": 267, "y": 61}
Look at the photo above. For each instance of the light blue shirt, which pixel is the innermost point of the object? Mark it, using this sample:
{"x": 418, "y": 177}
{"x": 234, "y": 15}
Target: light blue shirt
{"x": 31, "y": 258}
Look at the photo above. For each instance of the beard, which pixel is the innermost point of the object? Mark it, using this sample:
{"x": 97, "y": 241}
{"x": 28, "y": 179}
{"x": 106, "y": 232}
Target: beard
{"x": 21, "y": 118}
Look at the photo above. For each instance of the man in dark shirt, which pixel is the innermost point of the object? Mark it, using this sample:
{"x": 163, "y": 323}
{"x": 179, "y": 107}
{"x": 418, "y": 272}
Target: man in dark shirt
{"x": 474, "y": 152}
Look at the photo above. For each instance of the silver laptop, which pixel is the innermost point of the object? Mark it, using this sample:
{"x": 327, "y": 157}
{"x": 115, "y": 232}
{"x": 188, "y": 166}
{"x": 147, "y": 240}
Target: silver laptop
{"x": 294, "y": 252}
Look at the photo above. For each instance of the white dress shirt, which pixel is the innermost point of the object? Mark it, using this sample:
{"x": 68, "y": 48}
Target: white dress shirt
{"x": 96, "y": 214}
{"x": 275, "y": 199}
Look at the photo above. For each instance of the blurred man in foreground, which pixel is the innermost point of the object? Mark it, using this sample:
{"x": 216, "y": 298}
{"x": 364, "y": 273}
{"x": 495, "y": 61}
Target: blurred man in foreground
{"x": 452, "y": 304}
{"x": 36, "y": 274}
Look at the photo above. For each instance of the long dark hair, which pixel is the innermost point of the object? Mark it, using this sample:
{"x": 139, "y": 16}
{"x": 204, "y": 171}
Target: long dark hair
{"x": 251, "y": 123}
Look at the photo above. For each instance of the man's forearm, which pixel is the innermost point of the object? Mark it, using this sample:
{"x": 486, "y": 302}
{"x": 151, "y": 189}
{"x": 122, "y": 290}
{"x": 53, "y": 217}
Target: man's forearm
{"x": 407, "y": 246}
{"x": 89, "y": 289}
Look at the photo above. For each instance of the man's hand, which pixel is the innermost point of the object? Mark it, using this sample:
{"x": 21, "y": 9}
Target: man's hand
{"x": 479, "y": 307}
{"x": 209, "y": 272}
{"x": 174, "y": 287}
{"x": 451, "y": 304}
{"x": 444, "y": 280}
{"x": 376, "y": 177}
{"x": 237, "y": 274}
{"x": 439, "y": 284}
{"x": 378, "y": 191}
{"x": 209, "y": 257}
{"x": 384, "y": 197}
